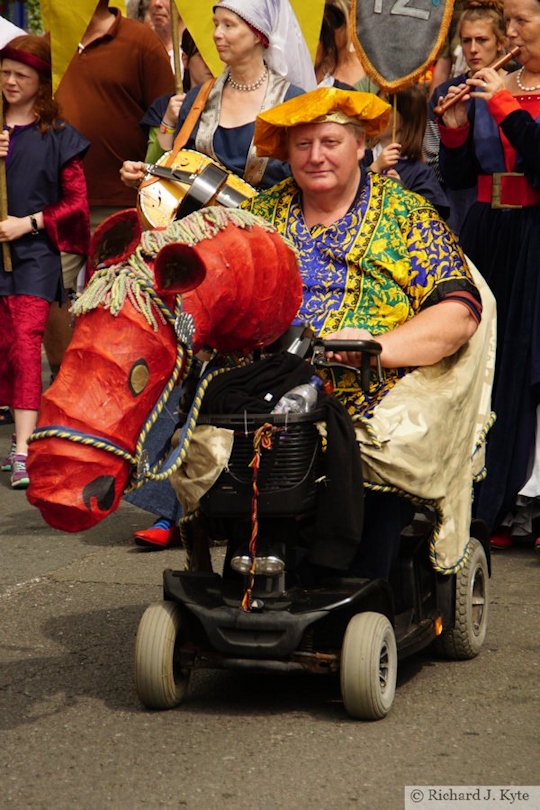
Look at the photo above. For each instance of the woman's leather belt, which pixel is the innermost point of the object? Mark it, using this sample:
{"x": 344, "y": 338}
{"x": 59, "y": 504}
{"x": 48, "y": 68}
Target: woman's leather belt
{"x": 507, "y": 190}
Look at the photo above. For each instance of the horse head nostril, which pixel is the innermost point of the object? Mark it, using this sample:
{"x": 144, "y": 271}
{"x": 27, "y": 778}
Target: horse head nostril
{"x": 100, "y": 490}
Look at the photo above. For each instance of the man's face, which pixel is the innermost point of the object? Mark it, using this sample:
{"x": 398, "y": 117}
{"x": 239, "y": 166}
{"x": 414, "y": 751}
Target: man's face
{"x": 324, "y": 157}
{"x": 160, "y": 14}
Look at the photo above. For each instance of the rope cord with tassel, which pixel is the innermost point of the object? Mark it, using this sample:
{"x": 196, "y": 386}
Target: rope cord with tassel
{"x": 262, "y": 440}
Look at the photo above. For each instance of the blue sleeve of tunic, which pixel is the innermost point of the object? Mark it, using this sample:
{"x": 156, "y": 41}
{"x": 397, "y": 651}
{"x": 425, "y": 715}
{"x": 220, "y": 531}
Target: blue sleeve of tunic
{"x": 155, "y": 112}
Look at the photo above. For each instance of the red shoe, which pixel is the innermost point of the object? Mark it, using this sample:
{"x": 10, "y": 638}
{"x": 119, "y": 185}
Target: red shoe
{"x": 502, "y": 539}
{"x": 537, "y": 545}
{"x": 158, "y": 536}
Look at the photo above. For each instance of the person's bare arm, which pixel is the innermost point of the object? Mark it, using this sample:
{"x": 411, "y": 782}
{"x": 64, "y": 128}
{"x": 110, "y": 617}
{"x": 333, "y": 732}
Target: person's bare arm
{"x": 434, "y": 333}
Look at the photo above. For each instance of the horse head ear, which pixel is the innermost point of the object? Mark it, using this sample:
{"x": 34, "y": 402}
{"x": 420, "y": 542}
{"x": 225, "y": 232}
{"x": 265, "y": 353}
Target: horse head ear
{"x": 115, "y": 239}
{"x": 178, "y": 268}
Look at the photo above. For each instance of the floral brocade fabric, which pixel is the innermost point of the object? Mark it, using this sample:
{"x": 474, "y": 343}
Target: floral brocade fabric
{"x": 389, "y": 257}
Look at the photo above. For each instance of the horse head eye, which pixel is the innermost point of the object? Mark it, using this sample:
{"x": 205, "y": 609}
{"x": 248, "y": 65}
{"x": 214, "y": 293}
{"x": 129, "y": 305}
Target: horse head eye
{"x": 138, "y": 377}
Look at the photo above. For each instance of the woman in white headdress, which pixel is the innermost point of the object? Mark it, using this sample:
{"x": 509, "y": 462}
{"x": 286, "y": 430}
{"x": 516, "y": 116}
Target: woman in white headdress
{"x": 267, "y": 62}
{"x": 286, "y": 52}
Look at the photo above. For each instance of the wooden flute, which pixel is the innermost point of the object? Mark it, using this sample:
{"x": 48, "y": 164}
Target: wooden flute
{"x": 498, "y": 63}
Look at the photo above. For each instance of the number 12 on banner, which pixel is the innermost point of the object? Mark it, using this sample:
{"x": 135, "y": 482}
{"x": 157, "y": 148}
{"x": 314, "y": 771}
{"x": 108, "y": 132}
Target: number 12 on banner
{"x": 403, "y": 9}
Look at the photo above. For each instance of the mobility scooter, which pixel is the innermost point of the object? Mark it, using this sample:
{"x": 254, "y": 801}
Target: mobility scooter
{"x": 267, "y": 619}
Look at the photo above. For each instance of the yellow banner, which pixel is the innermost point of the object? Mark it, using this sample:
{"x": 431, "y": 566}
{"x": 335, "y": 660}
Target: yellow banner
{"x": 309, "y": 14}
{"x": 66, "y": 21}
{"x": 198, "y": 20}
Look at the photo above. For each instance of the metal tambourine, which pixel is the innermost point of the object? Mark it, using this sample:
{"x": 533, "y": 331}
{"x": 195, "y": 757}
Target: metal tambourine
{"x": 172, "y": 190}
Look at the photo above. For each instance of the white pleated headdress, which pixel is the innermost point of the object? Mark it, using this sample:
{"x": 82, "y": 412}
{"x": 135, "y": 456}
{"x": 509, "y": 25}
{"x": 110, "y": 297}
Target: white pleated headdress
{"x": 287, "y": 54}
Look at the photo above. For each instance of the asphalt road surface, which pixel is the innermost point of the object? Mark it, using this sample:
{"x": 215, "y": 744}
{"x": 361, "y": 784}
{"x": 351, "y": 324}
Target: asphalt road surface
{"x": 73, "y": 734}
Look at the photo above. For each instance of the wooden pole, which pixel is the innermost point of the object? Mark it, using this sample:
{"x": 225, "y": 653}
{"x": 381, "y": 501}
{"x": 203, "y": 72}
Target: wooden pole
{"x": 6, "y": 252}
{"x": 175, "y": 19}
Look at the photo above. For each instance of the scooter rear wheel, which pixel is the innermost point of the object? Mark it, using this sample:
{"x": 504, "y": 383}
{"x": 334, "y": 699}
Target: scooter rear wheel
{"x": 159, "y": 679}
{"x": 466, "y": 638}
{"x": 368, "y": 666}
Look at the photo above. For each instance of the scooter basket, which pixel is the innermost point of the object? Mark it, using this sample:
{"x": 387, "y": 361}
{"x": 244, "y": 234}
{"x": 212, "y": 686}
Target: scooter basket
{"x": 288, "y": 471}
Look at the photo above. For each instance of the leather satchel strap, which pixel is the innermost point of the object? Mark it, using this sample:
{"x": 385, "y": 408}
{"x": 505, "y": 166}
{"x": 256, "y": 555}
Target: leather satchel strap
{"x": 191, "y": 119}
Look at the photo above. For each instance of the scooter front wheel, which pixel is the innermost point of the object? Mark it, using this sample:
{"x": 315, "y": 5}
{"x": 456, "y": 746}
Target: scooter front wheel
{"x": 368, "y": 666}
{"x": 159, "y": 680}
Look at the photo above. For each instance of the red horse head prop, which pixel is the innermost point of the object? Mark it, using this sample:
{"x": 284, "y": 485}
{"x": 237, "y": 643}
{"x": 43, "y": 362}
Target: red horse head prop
{"x": 240, "y": 282}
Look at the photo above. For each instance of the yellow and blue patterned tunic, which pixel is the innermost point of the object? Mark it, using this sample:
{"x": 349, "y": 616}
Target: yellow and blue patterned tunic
{"x": 390, "y": 256}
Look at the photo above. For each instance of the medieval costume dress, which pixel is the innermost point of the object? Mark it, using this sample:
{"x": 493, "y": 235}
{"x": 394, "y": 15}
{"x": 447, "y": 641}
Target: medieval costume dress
{"x": 233, "y": 146}
{"x": 389, "y": 257}
{"x": 460, "y": 200}
{"x": 44, "y": 173}
{"x": 501, "y": 235}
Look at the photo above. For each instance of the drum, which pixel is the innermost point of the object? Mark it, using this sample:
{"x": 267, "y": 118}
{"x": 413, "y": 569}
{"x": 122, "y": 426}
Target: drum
{"x": 172, "y": 190}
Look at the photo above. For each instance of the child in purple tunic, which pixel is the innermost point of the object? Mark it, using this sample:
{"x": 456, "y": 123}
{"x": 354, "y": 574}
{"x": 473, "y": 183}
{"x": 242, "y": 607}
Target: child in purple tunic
{"x": 47, "y": 213}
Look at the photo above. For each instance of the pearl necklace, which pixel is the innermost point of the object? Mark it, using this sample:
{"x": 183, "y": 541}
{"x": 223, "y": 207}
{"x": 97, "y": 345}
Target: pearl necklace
{"x": 521, "y": 87}
{"x": 247, "y": 88}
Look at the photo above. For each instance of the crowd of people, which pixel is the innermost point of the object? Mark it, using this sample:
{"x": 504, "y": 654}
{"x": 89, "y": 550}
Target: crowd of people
{"x": 329, "y": 157}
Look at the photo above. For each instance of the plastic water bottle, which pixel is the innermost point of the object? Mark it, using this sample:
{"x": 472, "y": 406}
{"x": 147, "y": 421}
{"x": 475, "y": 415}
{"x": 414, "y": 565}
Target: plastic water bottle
{"x": 301, "y": 398}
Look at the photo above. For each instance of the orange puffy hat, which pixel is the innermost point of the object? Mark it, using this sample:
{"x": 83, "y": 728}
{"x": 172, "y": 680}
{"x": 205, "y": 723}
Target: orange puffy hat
{"x": 319, "y": 106}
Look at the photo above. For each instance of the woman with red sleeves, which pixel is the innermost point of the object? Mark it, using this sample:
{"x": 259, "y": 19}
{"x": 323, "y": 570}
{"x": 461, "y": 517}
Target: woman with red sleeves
{"x": 47, "y": 213}
{"x": 494, "y": 143}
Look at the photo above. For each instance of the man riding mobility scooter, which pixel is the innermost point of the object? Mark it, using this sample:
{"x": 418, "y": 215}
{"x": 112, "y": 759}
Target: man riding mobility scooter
{"x": 263, "y": 488}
